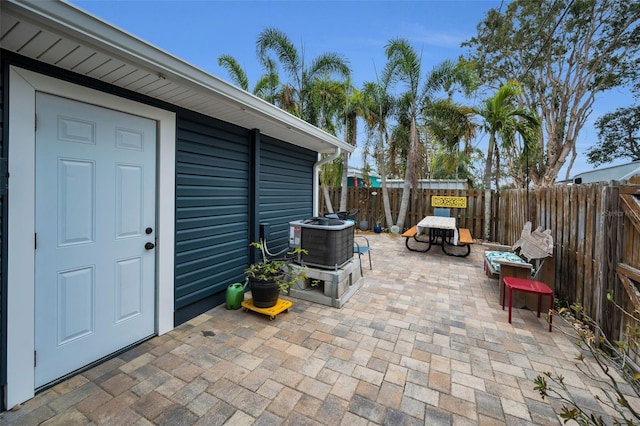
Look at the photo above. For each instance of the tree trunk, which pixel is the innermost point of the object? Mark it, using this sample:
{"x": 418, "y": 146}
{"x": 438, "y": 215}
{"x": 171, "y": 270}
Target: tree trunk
{"x": 385, "y": 197}
{"x": 327, "y": 199}
{"x": 497, "y": 167}
{"x": 382, "y": 169}
{"x": 487, "y": 214}
{"x": 487, "y": 187}
{"x": 344, "y": 187}
{"x": 404, "y": 202}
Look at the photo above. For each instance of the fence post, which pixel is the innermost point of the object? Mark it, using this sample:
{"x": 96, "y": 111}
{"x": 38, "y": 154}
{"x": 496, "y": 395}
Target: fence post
{"x": 611, "y": 231}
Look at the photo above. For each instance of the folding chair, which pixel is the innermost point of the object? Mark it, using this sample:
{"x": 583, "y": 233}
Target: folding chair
{"x": 362, "y": 249}
{"x": 443, "y": 212}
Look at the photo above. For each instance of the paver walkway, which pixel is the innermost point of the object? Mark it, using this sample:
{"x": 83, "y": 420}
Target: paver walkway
{"x": 423, "y": 342}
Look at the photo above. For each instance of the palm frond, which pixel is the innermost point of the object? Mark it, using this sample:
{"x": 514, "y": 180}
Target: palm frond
{"x": 328, "y": 64}
{"x": 404, "y": 63}
{"x": 236, "y": 73}
{"x": 272, "y": 39}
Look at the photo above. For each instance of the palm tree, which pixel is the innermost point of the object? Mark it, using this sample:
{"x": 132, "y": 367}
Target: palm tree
{"x": 311, "y": 92}
{"x": 353, "y": 108}
{"x": 326, "y": 109}
{"x": 404, "y": 65}
{"x": 503, "y": 120}
{"x": 377, "y": 107}
{"x": 449, "y": 124}
{"x": 399, "y": 143}
{"x": 297, "y": 93}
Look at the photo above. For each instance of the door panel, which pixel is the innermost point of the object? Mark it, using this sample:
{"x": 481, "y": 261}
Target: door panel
{"x": 129, "y": 208}
{"x": 95, "y": 196}
{"x": 129, "y": 288}
{"x": 76, "y": 202}
{"x": 75, "y": 299}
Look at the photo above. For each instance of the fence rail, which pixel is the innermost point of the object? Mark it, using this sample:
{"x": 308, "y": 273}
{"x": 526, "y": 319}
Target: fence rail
{"x": 596, "y": 235}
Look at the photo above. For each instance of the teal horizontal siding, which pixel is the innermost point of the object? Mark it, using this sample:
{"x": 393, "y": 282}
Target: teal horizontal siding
{"x": 212, "y": 209}
{"x": 213, "y": 196}
{"x": 286, "y": 188}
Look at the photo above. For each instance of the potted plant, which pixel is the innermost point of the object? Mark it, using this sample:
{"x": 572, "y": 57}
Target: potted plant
{"x": 271, "y": 276}
{"x": 378, "y": 228}
{"x": 363, "y": 225}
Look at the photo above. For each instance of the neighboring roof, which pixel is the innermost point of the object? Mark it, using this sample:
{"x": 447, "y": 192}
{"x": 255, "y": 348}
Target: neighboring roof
{"x": 62, "y": 35}
{"x": 353, "y": 171}
{"x": 432, "y": 183}
{"x": 607, "y": 174}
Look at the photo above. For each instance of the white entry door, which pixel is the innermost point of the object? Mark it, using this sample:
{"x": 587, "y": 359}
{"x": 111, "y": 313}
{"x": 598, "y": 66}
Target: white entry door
{"x": 95, "y": 233}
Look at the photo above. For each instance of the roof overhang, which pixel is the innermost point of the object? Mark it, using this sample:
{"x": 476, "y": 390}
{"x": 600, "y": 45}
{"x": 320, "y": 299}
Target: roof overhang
{"x": 62, "y": 35}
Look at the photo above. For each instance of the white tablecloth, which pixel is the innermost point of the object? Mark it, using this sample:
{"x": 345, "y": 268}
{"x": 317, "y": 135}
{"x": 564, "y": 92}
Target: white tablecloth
{"x": 440, "y": 222}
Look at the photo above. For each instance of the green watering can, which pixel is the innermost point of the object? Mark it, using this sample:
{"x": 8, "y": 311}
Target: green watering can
{"x": 235, "y": 294}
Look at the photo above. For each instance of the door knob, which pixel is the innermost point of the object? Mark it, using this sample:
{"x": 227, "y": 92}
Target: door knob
{"x": 149, "y": 246}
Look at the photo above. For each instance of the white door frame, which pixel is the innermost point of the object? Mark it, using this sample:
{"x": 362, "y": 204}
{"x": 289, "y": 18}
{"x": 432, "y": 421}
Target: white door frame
{"x": 20, "y": 256}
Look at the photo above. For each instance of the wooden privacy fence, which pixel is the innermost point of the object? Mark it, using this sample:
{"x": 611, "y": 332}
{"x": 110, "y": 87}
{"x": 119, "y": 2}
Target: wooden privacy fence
{"x": 624, "y": 261}
{"x": 369, "y": 203}
{"x": 595, "y": 228}
{"x": 596, "y": 233}
{"x": 574, "y": 214}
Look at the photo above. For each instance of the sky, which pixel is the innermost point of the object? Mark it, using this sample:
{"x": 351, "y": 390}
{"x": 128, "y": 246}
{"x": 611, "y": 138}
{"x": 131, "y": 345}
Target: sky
{"x": 199, "y": 31}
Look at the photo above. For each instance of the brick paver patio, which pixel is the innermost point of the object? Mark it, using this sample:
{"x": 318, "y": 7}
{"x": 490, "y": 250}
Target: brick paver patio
{"x": 423, "y": 342}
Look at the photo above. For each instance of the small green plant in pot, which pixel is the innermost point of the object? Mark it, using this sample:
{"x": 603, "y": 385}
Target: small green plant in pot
{"x": 271, "y": 276}
{"x": 378, "y": 228}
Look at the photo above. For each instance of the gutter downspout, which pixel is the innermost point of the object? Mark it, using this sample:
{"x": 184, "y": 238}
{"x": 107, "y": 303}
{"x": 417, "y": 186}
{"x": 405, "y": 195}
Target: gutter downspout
{"x": 316, "y": 178}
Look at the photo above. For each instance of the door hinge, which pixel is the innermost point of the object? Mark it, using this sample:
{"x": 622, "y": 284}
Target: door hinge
{"x": 35, "y": 241}
{"x": 35, "y": 358}
{"x": 35, "y": 124}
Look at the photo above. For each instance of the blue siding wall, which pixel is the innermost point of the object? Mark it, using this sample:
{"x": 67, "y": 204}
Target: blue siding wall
{"x": 212, "y": 212}
{"x": 286, "y": 188}
{"x": 215, "y": 188}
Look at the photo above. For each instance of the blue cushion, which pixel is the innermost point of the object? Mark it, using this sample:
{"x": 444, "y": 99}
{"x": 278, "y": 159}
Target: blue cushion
{"x": 508, "y": 256}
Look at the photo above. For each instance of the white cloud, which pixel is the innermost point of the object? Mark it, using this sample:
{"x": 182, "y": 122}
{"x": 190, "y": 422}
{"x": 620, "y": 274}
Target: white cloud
{"x": 419, "y": 34}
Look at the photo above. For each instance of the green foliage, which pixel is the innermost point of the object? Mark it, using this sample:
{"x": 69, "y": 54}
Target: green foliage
{"x": 236, "y": 72}
{"x": 602, "y": 361}
{"x": 267, "y": 85}
{"x": 309, "y": 85}
{"x": 564, "y": 52}
{"x": 448, "y": 164}
{"x": 619, "y": 136}
{"x": 505, "y": 121}
{"x": 421, "y": 110}
{"x": 418, "y": 107}
{"x": 280, "y": 270}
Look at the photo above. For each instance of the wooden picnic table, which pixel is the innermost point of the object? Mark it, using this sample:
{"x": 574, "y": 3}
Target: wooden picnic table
{"x": 436, "y": 230}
